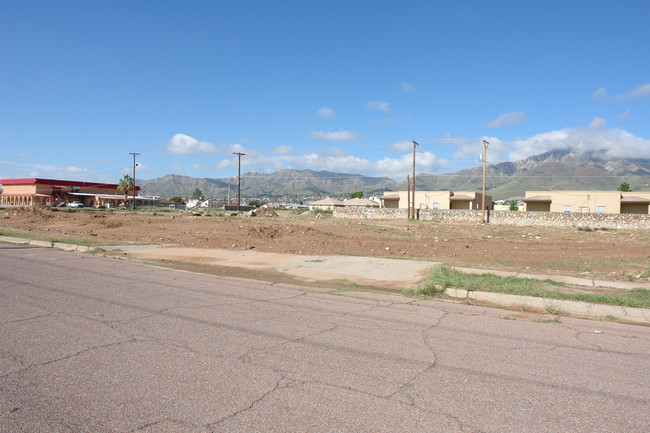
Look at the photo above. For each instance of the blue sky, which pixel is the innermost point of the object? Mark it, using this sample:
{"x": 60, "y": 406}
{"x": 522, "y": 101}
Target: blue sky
{"x": 338, "y": 85}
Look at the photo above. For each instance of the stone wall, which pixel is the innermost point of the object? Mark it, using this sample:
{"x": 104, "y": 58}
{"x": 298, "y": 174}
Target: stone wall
{"x": 369, "y": 213}
{"x": 549, "y": 219}
{"x": 571, "y": 219}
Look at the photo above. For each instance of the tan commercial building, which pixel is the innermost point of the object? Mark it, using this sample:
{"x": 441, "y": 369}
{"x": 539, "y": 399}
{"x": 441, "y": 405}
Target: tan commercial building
{"x": 588, "y": 201}
{"x": 52, "y": 192}
{"x": 436, "y": 200}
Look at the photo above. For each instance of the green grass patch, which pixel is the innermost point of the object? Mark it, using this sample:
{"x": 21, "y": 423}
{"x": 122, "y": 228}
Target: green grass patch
{"x": 351, "y": 285}
{"x": 181, "y": 264}
{"x": 542, "y": 320}
{"x": 442, "y": 277}
{"x": 550, "y": 309}
{"x": 23, "y": 235}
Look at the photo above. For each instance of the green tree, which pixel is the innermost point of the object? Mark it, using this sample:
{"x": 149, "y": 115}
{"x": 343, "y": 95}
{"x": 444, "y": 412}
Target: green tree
{"x": 513, "y": 205}
{"x": 356, "y": 194}
{"x": 625, "y": 187}
{"x": 177, "y": 200}
{"x": 255, "y": 203}
{"x": 197, "y": 194}
{"x": 126, "y": 184}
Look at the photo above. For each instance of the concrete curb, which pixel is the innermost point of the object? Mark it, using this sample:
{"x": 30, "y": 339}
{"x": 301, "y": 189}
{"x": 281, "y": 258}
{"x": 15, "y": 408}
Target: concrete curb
{"x": 574, "y": 308}
{"x": 46, "y": 244}
{"x": 14, "y": 240}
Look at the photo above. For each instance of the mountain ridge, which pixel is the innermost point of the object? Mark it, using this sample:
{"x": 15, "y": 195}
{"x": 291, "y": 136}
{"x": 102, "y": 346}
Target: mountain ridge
{"x": 555, "y": 169}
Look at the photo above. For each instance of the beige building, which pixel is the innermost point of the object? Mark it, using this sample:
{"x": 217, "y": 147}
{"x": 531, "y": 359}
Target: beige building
{"x": 588, "y": 201}
{"x": 325, "y": 204}
{"x": 360, "y": 202}
{"x": 436, "y": 200}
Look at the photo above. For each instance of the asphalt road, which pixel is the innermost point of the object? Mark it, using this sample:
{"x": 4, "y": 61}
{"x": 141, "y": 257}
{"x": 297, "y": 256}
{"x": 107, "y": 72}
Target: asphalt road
{"x": 92, "y": 344}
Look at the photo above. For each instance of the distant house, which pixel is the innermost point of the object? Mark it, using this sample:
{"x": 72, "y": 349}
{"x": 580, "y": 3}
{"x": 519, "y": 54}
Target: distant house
{"x": 436, "y": 200}
{"x": 52, "y": 192}
{"x": 616, "y": 202}
{"x": 325, "y": 204}
{"x": 360, "y": 202}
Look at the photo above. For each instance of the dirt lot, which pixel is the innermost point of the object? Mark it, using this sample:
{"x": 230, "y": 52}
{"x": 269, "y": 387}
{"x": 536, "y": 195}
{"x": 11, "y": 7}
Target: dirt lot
{"x": 622, "y": 255}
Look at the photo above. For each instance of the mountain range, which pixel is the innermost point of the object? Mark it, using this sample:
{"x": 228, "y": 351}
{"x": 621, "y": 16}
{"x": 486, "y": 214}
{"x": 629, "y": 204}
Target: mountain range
{"x": 556, "y": 169}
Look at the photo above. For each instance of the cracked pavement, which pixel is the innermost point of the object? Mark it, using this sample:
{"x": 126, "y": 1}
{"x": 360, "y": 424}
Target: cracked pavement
{"x": 94, "y": 344}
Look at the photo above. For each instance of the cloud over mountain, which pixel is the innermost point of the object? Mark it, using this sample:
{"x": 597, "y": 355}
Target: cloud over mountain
{"x": 595, "y": 137}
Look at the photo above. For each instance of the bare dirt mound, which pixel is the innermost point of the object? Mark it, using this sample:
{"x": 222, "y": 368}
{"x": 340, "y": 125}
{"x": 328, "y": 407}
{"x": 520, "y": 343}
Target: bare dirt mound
{"x": 264, "y": 212}
{"x": 611, "y": 254}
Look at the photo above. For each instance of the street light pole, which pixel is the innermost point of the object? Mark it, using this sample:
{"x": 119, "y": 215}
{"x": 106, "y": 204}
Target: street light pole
{"x": 485, "y": 145}
{"x": 134, "y": 166}
{"x": 413, "y": 183}
{"x": 239, "y": 154}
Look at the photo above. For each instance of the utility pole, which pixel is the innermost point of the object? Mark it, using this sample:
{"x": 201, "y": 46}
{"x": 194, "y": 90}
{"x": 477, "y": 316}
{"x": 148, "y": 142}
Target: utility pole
{"x": 485, "y": 145}
{"x": 228, "y": 192}
{"x": 239, "y": 154}
{"x": 134, "y": 166}
{"x": 413, "y": 189}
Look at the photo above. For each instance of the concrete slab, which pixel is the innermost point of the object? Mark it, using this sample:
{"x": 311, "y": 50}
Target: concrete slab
{"x": 372, "y": 271}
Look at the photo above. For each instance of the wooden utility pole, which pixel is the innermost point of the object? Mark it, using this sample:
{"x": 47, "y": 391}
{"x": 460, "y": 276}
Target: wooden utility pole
{"x": 239, "y": 154}
{"x": 485, "y": 145}
{"x": 134, "y": 166}
{"x": 413, "y": 189}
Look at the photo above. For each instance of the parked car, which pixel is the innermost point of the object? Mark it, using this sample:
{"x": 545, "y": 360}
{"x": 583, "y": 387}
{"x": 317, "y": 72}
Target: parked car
{"x": 76, "y": 203}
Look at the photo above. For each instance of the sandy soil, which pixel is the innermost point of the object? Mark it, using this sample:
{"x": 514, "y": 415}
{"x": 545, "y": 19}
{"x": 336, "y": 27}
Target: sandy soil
{"x": 622, "y": 255}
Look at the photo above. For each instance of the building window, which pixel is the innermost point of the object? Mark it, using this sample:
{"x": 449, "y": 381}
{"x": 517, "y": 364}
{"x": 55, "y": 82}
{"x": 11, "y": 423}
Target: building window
{"x": 436, "y": 205}
{"x": 600, "y": 209}
{"x": 567, "y": 208}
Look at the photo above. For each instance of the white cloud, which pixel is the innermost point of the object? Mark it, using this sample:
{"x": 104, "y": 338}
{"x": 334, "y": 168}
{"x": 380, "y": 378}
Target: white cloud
{"x": 407, "y": 87}
{"x": 624, "y": 114}
{"x": 401, "y": 146}
{"x": 22, "y": 155}
{"x": 507, "y": 119}
{"x": 182, "y": 144}
{"x": 425, "y": 162}
{"x": 339, "y": 135}
{"x": 600, "y": 93}
{"x": 325, "y": 113}
{"x": 73, "y": 169}
{"x": 378, "y": 106}
{"x": 282, "y": 150}
{"x": 197, "y": 166}
{"x": 638, "y": 92}
{"x": 595, "y": 137}
{"x": 338, "y": 160}
{"x": 176, "y": 168}
{"x": 642, "y": 91}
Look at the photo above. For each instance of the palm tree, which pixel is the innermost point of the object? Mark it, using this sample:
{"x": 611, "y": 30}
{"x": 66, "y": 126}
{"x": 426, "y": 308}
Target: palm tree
{"x": 126, "y": 183}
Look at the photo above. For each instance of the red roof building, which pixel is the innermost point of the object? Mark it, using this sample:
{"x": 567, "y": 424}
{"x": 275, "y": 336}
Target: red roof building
{"x": 54, "y": 192}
